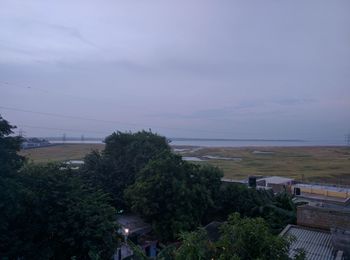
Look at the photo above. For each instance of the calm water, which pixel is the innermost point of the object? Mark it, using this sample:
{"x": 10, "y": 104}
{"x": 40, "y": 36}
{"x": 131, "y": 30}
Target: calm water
{"x": 248, "y": 143}
{"x": 231, "y": 143}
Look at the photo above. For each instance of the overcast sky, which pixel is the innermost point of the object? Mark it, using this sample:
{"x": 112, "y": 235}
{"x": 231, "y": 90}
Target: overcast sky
{"x": 184, "y": 68}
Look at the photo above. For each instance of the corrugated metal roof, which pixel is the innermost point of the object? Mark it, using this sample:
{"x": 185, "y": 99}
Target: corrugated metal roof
{"x": 316, "y": 243}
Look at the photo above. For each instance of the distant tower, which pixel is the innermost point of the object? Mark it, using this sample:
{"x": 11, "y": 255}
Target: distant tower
{"x": 347, "y": 139}
{"x": 64, "y": 138}
{"x": 82, "y": 138}
{"x": 21, "y": 132}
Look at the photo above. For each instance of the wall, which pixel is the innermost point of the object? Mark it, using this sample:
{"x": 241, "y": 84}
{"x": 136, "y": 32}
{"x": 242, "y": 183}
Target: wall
{"x": 324, "y": 192}
{"x": 323, "y": 218}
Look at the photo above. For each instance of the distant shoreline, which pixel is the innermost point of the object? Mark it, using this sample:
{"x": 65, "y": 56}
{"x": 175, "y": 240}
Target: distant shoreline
{"x": 220, "y": 142}
{"x": 225, "y": 144}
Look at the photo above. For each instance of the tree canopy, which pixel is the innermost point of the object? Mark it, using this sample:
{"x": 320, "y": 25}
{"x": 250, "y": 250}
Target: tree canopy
{"x": 58, "y": 217}
{"x": 125, "y": 154}
{"x": 278, "y": 210}
{"x": 10, "y": 161}
{"x": 241, "y": 238}
{"x": 48, "y": 212}
{"x": 173, "y": 194}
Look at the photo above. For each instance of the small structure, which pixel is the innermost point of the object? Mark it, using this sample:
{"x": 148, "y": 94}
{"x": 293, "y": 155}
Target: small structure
{"x": 316, "y": 243}
{"x": 322, "y": 193}
{"x": 133, "y": 228}
{"x": 34, "y": 142}
{"x": 276, "y": 183}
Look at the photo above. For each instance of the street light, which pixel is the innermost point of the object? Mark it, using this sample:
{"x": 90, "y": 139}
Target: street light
{"x": 126, "y": 233}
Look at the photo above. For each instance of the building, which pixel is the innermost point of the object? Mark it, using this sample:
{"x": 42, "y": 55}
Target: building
{"x": 322, "y": 193}
{"x": 322, "y": 230}
{"x": 34, "y": 143}
{"x": 276, "y": 183}
{"x": 323, "y": 216}
{"x": 317, "y": 244}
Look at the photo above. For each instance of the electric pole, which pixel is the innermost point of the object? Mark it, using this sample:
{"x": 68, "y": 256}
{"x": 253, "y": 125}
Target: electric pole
{"x": 21, "y": 132}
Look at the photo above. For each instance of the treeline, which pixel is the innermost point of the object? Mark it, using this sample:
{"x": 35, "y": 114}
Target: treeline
{"x": 51, "y": 212}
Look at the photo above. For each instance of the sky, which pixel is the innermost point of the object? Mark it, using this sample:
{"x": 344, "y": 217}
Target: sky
{"x": 186, "y": 68}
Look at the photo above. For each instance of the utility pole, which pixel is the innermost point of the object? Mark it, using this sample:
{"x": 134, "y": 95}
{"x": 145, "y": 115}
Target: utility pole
{"x": 21, "y": 132}
{"x": 82, "y": 139}
{"x": 347, "y": 139}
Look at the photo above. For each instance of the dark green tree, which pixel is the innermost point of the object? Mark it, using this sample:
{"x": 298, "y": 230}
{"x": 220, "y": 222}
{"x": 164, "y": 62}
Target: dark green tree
{"x": 10, "y": 161}
{"x": 125, "y": 154}
{"x": 240, "y": 238}
{"x": 173, "y": 195}
{"x": 195, "y": 245}
{"x": 278, "y": 210}
{"x": 250, "y": 238}
{"x": 59, "y": 218}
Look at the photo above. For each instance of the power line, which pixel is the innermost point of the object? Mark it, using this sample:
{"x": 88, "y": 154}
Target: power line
{"x": 63, "y": 129}
{"x": 28, "y": 87}
{"x": 106, "y": 121}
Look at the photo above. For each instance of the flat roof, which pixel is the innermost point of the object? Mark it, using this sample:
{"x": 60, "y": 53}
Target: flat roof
{"x": 276, "y": 179}
{"x": 316, "y": 243}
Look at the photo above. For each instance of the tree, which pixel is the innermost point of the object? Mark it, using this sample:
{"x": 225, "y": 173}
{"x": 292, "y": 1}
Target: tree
{"x": 240, "y": 238}
{"x": 10, "y": 161}
{"x": 250, "y": 238}
{"x": 195, "y": 245}
{"x": 278, "y": 210}
{"x": 59, "y": 218}
{"x": 124, "y": 155}
{"x": 172, "y": 194}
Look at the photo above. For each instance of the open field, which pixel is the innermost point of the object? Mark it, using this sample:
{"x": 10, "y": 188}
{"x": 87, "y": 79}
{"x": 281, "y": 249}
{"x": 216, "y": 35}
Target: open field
{"x": 60, "y": 152}
{"x": 318, "y": 164}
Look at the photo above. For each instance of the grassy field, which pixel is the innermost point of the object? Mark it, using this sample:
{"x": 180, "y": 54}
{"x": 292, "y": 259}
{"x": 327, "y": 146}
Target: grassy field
{"x": 319, "y": 164}
{"x": 61, "y": 152}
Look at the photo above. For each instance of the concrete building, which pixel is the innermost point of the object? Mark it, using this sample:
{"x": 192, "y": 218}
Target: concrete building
{"x": 322, "y": 193}
{"x": 276, "y": 183}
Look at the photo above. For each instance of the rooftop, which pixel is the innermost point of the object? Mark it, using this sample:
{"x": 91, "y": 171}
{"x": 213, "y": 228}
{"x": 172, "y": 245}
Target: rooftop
{"x": 276, "y": 180}
{"x": 134, "y": 224}
{"x": 316, "y": 243}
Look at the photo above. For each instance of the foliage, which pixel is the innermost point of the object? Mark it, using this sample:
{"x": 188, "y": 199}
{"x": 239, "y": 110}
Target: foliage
{"x": 278, "y": 210}
{"x": 241, "y": 238}
{"x": 195, "y": 245}
{"x": 125, "y": 154}
{"x": 10, "y": 161}
{"x": 57, "y": 218}
{"x": 250, "y": 238}
{"x": 172, "y": 194}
